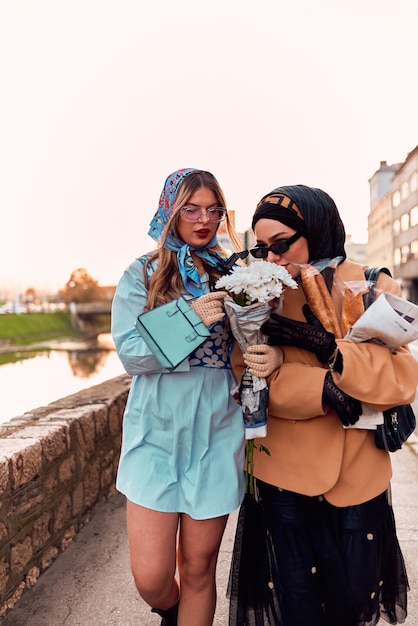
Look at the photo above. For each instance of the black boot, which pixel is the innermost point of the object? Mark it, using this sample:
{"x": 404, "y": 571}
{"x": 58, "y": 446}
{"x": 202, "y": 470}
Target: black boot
{"x": 169, "y": 615}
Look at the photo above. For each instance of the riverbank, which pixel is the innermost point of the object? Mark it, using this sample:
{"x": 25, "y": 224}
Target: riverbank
{"x": 22, "y": 334}
{"x": 26, "y": 328}
{"x": 65, "y": 343}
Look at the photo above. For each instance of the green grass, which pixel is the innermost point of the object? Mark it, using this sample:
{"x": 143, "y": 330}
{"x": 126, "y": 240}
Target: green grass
{"x": 28, "y": 328}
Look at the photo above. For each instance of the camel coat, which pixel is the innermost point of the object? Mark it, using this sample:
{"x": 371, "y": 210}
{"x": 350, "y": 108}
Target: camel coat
{"x": 311, "y": 452}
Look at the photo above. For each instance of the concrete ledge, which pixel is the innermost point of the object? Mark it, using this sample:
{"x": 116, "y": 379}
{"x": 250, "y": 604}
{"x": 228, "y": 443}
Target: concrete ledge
{"x": 56, "y": 464}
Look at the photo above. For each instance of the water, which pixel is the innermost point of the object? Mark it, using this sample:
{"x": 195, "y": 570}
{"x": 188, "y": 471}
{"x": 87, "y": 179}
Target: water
{"x": 49, "y": 376}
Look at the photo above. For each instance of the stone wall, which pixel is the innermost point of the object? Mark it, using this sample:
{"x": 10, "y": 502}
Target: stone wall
{"x": 57, "y": 463}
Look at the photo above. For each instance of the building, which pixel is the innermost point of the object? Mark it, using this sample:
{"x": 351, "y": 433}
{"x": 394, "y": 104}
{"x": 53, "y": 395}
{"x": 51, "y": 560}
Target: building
{"x": 404, "y": 188}
{"x": 379, "y": 249}
{"x": 393, "y": 222}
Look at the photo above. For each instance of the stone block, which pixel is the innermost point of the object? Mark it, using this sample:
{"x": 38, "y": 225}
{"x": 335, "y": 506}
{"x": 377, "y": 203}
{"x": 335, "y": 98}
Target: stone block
{"x": 32, "y": 577}
{"x": 62, "y": 513}
{"x": 67, "y": 470}
{"x": 25, "y": 459}
{"x": 4, "y": 576}
{"x": 48, "y": 557}
{"x": 68, "y": 537}
{"x": 54, "y": 446}
{"x": 92, "y": 484}
{"x": 85, "y": 437}
{"x": 78, "y": 499}
{"x": 101, "y": 420}
{"x": 4, "y": 474}
{"x": 41, "y": 534}
{"x": 115, "y": 420}
{"x": 20, "y": 555}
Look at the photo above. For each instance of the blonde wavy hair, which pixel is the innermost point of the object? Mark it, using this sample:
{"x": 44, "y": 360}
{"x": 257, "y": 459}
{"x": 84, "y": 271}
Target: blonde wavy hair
{"x": 165, "y": 283}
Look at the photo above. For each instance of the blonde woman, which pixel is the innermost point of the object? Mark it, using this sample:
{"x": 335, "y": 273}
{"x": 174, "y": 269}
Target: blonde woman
{"x": 181, "y": 466}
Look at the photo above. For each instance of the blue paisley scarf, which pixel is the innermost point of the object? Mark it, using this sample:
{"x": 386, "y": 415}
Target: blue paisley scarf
{"x": 187, "y": 268}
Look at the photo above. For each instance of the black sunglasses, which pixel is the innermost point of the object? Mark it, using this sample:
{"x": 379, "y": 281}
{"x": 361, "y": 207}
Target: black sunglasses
{"x": 278, "y": 247}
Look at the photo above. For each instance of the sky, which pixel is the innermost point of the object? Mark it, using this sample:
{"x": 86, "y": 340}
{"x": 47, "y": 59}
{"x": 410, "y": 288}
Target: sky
{"x": 100, "y": 100}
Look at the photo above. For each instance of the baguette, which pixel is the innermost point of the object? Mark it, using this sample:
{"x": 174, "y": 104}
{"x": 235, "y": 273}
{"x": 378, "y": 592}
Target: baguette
{"x": 319, "y": 300}
{"x": 352, "y": 309}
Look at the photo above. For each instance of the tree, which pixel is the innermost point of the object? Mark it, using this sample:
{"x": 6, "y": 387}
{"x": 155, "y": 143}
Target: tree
{"x": 81, "y": 287}
{"x": 30, "y": 295}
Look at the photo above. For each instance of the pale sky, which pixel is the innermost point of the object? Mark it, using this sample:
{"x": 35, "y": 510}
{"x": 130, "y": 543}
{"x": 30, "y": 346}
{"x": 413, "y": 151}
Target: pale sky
{"x": 102, "y": 99}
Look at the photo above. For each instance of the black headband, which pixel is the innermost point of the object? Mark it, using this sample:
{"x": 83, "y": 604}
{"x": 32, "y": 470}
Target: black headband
{"x": 266, "y": 209}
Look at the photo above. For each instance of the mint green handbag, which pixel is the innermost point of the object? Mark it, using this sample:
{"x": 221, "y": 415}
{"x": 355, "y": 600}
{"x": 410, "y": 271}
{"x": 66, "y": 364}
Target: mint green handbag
{"x": 172, "y": 331}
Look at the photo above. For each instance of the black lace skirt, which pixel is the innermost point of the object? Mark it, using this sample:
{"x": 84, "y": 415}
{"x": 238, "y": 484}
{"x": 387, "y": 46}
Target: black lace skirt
{"x": 299, "y": 561}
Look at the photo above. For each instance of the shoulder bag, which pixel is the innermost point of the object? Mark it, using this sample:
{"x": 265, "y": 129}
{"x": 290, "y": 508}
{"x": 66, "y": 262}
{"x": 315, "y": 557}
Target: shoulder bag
{"x": 399, "y": 422}
{"x": 172, "y": 331}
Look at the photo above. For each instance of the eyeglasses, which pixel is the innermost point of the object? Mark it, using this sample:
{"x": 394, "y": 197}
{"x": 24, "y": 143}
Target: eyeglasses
{"x": 278, "y": 247}
{"x": 195, "y": 214}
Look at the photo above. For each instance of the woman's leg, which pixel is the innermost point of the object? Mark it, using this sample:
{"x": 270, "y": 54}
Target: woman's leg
{"x": 152, "y": 546}
{"x": 199, "y": 543}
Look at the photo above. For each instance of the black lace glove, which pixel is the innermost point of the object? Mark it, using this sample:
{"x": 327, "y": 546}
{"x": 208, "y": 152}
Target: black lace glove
{"x": 312, "y": 336}
{"x": 348, "y": 409}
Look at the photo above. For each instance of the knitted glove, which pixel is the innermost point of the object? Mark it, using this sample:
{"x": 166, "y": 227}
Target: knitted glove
{"x": 311, "y": 336}
{"x": 348, "y": 409}
{"x": 209, "y": 307}
{"x": 262, "y": 360}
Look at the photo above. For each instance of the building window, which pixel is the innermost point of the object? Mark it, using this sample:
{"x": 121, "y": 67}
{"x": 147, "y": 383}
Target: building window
{"x": 404, "y": 190}
{"x": 396, "y": 227}
{"x": 414, "y": 248}
{"x": 414, "y": 216}
{"x": 414, "y": 182}
{"x": 396, "y": 199}
{"x": 405, "y": 222}
{"x": 405, "y": 253}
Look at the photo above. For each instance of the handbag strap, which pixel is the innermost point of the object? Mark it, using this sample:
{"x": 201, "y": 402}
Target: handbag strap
{"x": 371, "y": 274}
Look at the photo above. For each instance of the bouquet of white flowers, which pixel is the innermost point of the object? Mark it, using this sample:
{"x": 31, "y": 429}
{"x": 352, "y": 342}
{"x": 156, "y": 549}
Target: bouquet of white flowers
{"x": 253, "y": 291}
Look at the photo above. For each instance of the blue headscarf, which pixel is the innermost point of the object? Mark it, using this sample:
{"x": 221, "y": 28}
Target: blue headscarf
{"x": 187, "y": 268}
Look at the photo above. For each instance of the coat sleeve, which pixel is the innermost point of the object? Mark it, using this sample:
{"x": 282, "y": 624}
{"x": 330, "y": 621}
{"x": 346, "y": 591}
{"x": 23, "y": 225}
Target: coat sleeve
{"x": 291, "y": 382}
{"x": 377, "y": 375}
{"x": 129, "y": 301}
{"x": 373, "y": 374}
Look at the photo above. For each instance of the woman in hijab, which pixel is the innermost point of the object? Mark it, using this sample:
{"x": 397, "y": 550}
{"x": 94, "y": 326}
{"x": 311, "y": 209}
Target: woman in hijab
{"x": 182, "y": 458}
{"x": 332, "y": 552}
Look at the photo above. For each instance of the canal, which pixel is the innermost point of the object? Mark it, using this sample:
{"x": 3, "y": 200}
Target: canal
{"x": 50, "y": 375}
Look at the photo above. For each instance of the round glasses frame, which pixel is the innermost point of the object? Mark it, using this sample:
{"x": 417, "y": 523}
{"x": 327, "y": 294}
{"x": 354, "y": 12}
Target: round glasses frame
{"x": 195, "y": 214}
{"x": 278, "y": 247}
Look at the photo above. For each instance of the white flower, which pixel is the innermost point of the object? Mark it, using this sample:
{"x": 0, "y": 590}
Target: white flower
{"x": 260, "y": 281}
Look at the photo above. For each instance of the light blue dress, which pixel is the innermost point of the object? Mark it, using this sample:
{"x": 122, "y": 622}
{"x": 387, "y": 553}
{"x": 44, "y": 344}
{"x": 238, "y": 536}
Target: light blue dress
{"x": 183, "y": 433}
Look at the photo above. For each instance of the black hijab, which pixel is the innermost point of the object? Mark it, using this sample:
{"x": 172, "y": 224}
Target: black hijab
{"x": 309, "y": 211}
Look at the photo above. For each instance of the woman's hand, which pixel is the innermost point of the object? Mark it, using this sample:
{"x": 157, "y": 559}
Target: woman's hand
{"x": 262, "y": 360}
{"x": 309, "y": 335}
{"x": 348, "y": 409}
{"x": 209, "y": 307}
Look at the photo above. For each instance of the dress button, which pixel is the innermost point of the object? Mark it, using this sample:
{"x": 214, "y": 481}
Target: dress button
{"x": 373, "y": 595}
{"x": 320, "y": 498}
{"x": 271, "y": 585}
{"x": 370, "y": 536}
{"x": 313, "y": 569}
